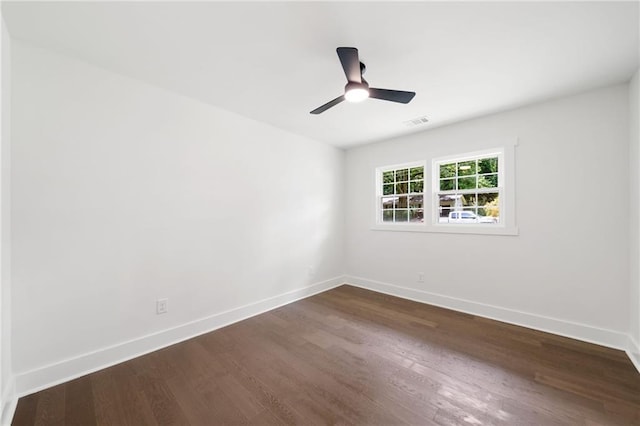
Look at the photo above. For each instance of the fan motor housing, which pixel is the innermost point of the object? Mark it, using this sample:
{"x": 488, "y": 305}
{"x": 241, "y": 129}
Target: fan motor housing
{"x": 352, "y": 85}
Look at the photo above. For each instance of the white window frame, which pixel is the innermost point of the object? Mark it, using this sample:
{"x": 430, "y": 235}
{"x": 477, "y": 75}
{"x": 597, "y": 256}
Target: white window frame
{"x": 506, "y": 170}
{"x": 379, "y": 194}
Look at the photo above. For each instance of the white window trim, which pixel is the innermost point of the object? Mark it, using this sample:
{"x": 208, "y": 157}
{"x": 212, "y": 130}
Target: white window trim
{"x": 378, "y": 179}
{"x": 507, "y": 225}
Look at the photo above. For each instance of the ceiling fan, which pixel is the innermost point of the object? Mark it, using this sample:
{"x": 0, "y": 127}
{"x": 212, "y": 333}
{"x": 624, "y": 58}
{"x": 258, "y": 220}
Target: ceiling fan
{"x": 357, "y": 88}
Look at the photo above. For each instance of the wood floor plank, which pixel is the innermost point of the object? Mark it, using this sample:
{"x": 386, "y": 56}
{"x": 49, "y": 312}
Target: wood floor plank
{"x": 109, "y": 407}
{"x": 26, "y": 410}
{"x": 164, "y": 406}
{"x": 79, "y": 403}
{"x": 268, "y": 397}
{"x": 352, "y": 356}
{"x": 244, "y": 400}
{"x": 131, "y": 398}
{"x": 51, "y": 407}
{"x": 333, "y": 393}
{"x": 204, "y": 403}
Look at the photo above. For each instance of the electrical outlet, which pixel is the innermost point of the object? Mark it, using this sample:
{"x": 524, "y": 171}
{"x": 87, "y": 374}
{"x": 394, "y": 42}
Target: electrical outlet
{"x": 162, "y": 306}
{"x": 420, "y": 277}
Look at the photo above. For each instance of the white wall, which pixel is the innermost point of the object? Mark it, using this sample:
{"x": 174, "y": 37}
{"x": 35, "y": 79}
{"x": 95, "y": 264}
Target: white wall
{"x": 124, "y": 193}
{"x": 7, "y": 399}
{"x": 634, "y": 231}
{"x": 567, "y": 270}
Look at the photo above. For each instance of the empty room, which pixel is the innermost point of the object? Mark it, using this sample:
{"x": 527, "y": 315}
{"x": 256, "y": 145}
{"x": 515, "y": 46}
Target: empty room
{"x": 315, "y": 213}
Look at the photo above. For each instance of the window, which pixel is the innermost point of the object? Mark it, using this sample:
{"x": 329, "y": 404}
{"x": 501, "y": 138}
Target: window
{"x": 468, "y": 193}
{"x": 400, "y": 194}
{"x": 468, "y": 190}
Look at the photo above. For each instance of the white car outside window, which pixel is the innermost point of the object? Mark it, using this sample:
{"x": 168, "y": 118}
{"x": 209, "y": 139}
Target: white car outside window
{"x": 469, "y": 217}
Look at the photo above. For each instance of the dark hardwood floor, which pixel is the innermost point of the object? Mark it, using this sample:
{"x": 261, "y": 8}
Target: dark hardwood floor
{"x": 351, "y": 356}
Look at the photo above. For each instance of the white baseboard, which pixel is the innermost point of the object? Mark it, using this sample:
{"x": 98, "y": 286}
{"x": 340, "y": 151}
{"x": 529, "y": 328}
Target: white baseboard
{"x": 633, "y": 351}
{"x": 600, "y": 336}
{"x": 50, "y": 375}
{"x": 9, "y": 403}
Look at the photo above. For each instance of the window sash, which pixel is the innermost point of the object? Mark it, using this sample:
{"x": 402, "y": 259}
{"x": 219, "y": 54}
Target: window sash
{"x": 437, "y": 209}
{"x": 395, "y": 191}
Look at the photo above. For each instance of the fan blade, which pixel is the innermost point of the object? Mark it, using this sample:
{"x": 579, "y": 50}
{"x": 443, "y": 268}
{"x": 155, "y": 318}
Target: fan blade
{"x": 392, "y": 95}
{"x": 328, "y": 105}
{"x": 350, "y": 63}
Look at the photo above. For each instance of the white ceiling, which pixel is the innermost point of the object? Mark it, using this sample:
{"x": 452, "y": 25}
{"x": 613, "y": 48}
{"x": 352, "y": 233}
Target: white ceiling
{"x": 275, "y": 62}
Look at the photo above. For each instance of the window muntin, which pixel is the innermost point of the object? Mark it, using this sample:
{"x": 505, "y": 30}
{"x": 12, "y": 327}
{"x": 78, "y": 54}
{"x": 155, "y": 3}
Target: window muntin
{"x": 400, "y": 194}
{"x": 468, "y": 190}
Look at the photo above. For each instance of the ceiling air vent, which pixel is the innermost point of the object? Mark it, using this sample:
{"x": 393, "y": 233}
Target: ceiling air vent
{"x": 416, "y": 122}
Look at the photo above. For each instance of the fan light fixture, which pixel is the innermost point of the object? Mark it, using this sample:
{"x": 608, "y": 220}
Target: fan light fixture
{"x": 356, "y": 94}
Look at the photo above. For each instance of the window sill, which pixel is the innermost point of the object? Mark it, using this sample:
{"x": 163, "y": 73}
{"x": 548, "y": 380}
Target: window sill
{"x": 450, "y": 229}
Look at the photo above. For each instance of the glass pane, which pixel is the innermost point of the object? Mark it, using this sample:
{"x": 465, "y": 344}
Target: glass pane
{"x": 387, "y": 216}
{"x": 447, "y": 201}
{"x": 387, "y": 189}
{"x": 417, "y": 173}
{"x": 488, "y": 165}
{"x": 417, "y": 186}
{"x": 416, "y": 216}
{"x": 415, "y": 201}
{"x": 388, "y": 202}
{"x": 402, "y": 175}
{"x": 469, "y": 200}
{"x": 467, "y": 183}
{"x": 488, "y": 181}
{"x": 444, "y": 214}
{"x": 490, "y": 215}
{"x": 467, "y": 168}
{"x": 447, "y": 184}
{"x": 402, "y": 188}
{"x": 401, "y": 202}
{"x": 488, "y": 198}
{"x": 387, "y": 177}
{"x": 447, "y": 170}
{"x": 402, "y": 215}
{"x": 490, "y": 204}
